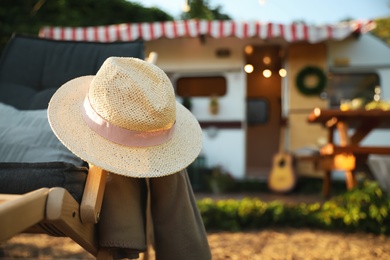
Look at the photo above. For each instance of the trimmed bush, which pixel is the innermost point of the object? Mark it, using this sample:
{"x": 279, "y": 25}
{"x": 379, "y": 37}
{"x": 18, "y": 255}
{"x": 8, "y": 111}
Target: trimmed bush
{"x": 365, "y": 208}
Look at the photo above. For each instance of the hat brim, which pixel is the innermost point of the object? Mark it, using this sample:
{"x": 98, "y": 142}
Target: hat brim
{"x": 65, "y": 118}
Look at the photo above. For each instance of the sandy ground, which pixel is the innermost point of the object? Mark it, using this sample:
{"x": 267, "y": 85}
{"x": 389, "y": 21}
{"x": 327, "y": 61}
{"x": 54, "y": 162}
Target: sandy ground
{"x": 283, "y": 243}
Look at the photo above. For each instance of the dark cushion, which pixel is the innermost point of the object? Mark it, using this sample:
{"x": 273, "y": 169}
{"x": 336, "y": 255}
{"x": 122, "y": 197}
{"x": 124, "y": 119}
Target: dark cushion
{"x": 25, "y": 97}
{"x": 32, "y": 68}
{"x": 16, "y": 95}
{"x": 20, "y": 178}
{"x": 41, "y": 99}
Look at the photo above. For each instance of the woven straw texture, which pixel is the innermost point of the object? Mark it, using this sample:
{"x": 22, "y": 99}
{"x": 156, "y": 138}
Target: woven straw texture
{"x": 134, "y": 95}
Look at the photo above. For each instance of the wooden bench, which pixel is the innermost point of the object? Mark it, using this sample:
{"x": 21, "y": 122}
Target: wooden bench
{"x": 349, "y": 152}
{"x": 337, "y": 158}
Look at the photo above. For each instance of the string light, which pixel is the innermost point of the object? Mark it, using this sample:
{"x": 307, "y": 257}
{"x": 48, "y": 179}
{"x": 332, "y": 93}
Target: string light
{"x": 283, "y": 73}
{"x": 248, "y": 49}
{"x": 248, "y": 68}
{"x": 267, "y": 60}
{"x": 267, "y": 73}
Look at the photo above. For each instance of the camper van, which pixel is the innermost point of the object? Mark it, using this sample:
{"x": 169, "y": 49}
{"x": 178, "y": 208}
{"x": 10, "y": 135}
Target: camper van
{"x": 261, "y": 111}
{"x": 245, "y": 82}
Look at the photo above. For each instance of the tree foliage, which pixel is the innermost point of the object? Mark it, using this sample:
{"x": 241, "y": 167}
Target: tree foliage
{"x": 28, "y": 16}
{"x": 200, "y": 9}
{"x": 382, "y": 29}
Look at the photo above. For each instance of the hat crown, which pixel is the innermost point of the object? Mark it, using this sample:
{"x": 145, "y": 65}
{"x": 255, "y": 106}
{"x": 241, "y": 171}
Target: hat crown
{"x": 133, "y": 94}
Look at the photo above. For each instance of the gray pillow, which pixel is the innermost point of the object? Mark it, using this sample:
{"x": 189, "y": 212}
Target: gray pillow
{"x": 26, "y": 136}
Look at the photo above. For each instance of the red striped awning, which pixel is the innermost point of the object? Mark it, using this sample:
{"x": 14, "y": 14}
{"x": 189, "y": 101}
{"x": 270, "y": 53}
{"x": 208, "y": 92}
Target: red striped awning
{"x": 217, "y": 29}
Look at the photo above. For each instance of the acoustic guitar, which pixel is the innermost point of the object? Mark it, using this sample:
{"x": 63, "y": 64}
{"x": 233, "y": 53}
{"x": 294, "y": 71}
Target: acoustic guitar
{"x": 282, "y": 178}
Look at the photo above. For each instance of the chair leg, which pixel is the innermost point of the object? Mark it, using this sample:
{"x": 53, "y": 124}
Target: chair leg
{"x": 350, "y": 180}
{"x": 326, "y": 184}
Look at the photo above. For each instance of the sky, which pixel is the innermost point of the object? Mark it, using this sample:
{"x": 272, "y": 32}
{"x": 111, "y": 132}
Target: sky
{"x": 287, "y": 11}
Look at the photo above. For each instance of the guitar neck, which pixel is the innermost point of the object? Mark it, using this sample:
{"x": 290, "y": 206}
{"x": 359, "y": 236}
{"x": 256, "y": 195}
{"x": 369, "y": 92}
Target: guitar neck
{"x": 283, "y": 143}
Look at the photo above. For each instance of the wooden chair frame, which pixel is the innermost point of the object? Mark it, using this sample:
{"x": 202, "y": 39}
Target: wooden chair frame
{"x": 55, "y": 212}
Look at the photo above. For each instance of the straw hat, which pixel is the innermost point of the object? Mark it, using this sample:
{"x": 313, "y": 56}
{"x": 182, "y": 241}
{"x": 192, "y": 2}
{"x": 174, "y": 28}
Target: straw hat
{"x": 126, "y": 120}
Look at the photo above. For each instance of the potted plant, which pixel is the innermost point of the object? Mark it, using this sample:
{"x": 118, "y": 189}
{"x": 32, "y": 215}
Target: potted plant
{"x": 220, "y": 181}
{"x": 214, "y": 105}
{"x": 186, "y": 102}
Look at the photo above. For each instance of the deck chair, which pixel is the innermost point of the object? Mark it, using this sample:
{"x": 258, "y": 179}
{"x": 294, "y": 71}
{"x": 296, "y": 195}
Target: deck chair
{"x": 56, "y": 212}
{"x": 60, "y": 198}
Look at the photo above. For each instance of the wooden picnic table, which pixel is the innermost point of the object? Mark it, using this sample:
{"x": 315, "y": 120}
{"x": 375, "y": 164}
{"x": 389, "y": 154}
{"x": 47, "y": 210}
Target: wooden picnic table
{"x": 344, "y": 155}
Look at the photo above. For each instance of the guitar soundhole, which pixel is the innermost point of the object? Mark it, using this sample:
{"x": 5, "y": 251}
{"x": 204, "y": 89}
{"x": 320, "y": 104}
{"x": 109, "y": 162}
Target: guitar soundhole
{"x": 282, "y": 163}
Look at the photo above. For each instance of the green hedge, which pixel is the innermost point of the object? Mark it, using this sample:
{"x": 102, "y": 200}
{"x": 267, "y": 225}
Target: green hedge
{"x": 365, "y": 208}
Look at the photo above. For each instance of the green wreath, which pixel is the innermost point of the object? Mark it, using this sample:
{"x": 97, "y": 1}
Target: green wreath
{"x": 311, "y": 90}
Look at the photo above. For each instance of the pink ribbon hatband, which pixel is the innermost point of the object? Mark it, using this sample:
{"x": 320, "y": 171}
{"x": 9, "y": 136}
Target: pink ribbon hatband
{"x": 120, "y": 135}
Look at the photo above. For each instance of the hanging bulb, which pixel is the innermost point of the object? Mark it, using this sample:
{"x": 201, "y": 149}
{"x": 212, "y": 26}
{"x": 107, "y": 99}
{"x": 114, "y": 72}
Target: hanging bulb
{"x": 283, "y": 72}
{"x": 248, "y": 49}
{"x": 267, "y": 60}
{"x": 267, "y": 73}
{"x": 248, "y": 68}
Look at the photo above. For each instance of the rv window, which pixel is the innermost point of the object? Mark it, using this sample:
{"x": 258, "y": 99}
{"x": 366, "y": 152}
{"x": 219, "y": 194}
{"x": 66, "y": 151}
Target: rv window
{"x": 201, "y": 86}
{"x": 256, "y": 111}
{"x": 349, "y": 86}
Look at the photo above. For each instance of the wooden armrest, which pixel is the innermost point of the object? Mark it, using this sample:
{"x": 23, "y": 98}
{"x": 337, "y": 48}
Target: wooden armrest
{"x": 91, "y": 202}
{"x": 63, "y": 219}
{"x": 19, "y": 212}
{"x": 7, "y": 197}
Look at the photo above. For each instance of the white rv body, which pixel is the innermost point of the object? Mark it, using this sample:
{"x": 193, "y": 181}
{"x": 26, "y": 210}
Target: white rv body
{"x": 195, "y": 57}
